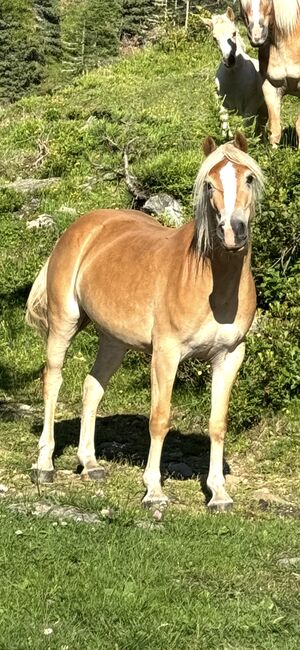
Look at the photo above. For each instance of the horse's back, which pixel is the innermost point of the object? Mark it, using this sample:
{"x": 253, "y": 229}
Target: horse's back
{"x": 109, "y": 264}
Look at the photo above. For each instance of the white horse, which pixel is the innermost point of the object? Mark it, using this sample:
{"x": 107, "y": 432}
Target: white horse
{"x": 238, "y": 81}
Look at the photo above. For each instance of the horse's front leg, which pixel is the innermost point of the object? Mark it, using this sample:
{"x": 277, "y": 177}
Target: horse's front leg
{"x": 273, "y": 98}
{"x": 225, "y": 369}
{"x": 163, "y": 370}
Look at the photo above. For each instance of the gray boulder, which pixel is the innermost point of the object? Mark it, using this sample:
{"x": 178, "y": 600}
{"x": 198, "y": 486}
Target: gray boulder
{"x": 164, "y": 204}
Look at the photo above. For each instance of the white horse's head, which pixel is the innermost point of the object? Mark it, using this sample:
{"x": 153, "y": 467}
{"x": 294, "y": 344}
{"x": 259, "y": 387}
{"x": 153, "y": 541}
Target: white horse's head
{"x": 225, "y": 35}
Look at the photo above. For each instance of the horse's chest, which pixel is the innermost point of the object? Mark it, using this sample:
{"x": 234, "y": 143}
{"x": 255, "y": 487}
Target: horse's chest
{"x": 283, "y": 69}
{"x": 213, "y": 339}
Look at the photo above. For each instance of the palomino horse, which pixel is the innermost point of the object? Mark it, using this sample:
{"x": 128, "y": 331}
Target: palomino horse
{"x": 174, "y": 293}
{"x": 238, "y": 81}
{"x": 274, "y": 27}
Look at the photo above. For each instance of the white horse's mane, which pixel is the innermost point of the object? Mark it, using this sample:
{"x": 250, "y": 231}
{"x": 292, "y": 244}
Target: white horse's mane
{"x": 286, "y": 14}
{"x": 202, "y": 206}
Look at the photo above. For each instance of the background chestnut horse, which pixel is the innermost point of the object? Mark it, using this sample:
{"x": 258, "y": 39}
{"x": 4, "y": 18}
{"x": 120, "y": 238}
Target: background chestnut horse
{"x": 274, "y": 27}
{"x": 171, "y": 292}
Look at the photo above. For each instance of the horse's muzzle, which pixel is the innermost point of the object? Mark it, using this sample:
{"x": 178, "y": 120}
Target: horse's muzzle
{"x": 235, "y": 236}
{"x": 258, "y": 35}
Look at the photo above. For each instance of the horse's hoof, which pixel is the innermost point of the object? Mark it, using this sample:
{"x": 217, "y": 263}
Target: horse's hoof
{"x": 216, "y": 505}
{"x": 39, "y": 476}
{"x": 96, "y": 474}
{"x": 155, "y": 502}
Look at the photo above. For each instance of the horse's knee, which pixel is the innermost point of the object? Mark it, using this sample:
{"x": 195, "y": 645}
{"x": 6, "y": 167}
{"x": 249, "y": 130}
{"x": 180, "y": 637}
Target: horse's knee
{"x": 159, "y": 425}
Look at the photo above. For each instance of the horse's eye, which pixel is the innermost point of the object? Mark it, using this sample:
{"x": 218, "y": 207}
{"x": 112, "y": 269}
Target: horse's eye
{"x": 234, "y": 34}
{"x": 249, "y": 179}
{"x": 209, "y": 187}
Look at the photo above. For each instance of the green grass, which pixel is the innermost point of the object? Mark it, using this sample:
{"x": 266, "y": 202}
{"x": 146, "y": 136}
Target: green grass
{"x": 183, "y": 583}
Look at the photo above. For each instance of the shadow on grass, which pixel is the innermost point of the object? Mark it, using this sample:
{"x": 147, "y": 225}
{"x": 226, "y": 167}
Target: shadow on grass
{"x": 126, "y": 438}
{"x": 16, "y": 297}
{"x": 289, "y": 137}
{"x": 12, "y": 379}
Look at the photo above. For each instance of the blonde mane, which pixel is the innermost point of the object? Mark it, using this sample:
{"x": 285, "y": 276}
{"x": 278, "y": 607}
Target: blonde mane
{"x": 285, "y": 17}
{"x": 202, "y": 204}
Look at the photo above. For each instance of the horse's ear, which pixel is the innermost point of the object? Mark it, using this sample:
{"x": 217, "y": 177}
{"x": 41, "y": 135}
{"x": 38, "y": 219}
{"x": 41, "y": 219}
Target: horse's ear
{"x": 230, "y": 14}
{"x": 209, "y": 145}
{"x": 206, "y": 21}
{"x": 240, "y": 142}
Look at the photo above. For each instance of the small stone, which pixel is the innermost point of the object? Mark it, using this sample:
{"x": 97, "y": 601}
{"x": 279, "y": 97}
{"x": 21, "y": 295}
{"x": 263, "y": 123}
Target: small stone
{"x": 289, "y": 561}
{"x": 145, "y": 525}
{"x": 19, "y": 532}
{"x": 157, "y": 515}
{"x": 30, "y": 184}
{"x": 48, "y": 631}
{"x": 107, "y": 513}
{"x": 67, "y": 210}
{"x": 3, "y": 488}
{"x": 43, "y": 221}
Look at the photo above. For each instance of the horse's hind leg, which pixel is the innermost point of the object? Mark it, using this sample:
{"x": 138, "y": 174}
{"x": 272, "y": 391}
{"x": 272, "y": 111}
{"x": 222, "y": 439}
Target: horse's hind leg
{"x": 58, "y": 342}
{"x": 109, "y": 357}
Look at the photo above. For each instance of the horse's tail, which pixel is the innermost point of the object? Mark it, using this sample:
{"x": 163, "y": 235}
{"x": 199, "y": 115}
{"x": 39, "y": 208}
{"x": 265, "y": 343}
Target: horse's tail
{"x": 36, "y": 313}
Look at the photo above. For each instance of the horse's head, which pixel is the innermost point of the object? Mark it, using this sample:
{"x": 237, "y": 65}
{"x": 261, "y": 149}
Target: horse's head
{"x": 225, "y": 193}
{"x": 258, "y": 16}
{"x": 224, "y": 33}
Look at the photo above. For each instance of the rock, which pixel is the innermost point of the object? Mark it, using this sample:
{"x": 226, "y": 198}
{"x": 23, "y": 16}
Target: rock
{"x": 67, "y": 210}
{"x": 164, "y": 204}
{"x": 30, "y": 184}
{"x": 43, "y": 221}
{"x": 180, "y": 470}
{"x": 264, "y": 496}
{"x": 3, "y": 488}
{"x": 107, "y": 513}
{"x": 289, "y": 561}
{"x": 61, "y": 513}
{"x": 157, "y": 515}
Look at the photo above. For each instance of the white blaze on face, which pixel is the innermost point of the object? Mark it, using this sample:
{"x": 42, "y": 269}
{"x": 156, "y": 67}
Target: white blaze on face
{"x": 255, "y": 11}
{"x": 229, "y": 182}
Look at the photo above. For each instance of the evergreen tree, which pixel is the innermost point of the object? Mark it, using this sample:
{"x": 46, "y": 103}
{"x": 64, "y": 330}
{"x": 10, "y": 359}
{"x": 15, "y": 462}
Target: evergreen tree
{"x": 20, "y": 56}
{"x": 48, "y": 19}
{"x": 90, "y": 30}
{"x": 138, "y": 16}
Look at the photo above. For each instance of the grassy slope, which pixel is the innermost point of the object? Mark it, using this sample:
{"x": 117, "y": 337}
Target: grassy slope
{"x": 219, "y": 575}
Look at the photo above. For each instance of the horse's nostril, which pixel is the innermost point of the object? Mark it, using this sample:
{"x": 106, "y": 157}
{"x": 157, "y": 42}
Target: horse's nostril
{"x": 239, "y": 228}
